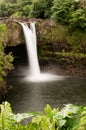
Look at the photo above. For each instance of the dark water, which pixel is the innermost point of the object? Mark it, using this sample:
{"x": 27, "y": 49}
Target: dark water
{"x": 34, "y": 96}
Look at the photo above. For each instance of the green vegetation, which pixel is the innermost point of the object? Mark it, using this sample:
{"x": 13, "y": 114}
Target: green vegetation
{"x": 70, "y": 117}
{"x": 67, "y": 12}
{"x": 69, "y": 15}
{"x": 28, "y": 8}
{"x": 5, "y": 60}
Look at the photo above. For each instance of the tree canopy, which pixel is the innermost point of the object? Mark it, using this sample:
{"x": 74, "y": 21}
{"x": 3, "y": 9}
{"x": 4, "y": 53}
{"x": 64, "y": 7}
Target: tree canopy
{"x": 66, "y": 12}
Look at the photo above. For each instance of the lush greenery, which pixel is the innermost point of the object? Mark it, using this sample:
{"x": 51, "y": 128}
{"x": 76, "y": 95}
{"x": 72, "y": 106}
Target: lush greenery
{"x": 71, "y": 13}
{"x": 29, "y": 8}
{"x": 67, "y": 12}
{"x": 5, "y": 59}
{"x": 70, "y": 117}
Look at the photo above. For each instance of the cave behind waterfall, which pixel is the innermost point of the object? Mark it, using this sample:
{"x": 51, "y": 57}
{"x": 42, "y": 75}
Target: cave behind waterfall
{"x": 19, "y": 53}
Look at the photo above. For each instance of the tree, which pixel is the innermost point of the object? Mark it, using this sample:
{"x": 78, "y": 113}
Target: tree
{"x": 68, "y": 12}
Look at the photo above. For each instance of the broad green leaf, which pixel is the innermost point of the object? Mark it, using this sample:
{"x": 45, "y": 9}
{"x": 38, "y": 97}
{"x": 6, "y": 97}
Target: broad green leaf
{"x": 48, "y": 110}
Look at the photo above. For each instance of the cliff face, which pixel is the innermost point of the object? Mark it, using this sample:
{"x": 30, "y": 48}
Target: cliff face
{"x": 56, "y": 44}
{"x": 49, "y": 35}
{"x": 46, "y": 31}
{"x": 14, "y": 33}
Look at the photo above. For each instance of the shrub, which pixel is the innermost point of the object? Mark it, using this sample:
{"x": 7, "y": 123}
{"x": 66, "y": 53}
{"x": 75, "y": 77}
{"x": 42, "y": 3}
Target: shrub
{"x": 78, "y": 20}
{"x": 61, "y": 10}
{"x": 70, "y": 117}
{"x": 28, "y": 8}
{"x": 5, "y": 60}
{"x": 67, "y": 12}
{"x": 7, "y": 9}
{"x": 38, "y": 9}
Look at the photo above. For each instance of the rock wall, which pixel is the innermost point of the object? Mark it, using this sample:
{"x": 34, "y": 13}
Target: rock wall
{"x": 48, "y": 33}
{"x": 56, "y": 45}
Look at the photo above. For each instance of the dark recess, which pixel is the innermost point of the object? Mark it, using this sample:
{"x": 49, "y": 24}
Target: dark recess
{"x": 20, "y": 54}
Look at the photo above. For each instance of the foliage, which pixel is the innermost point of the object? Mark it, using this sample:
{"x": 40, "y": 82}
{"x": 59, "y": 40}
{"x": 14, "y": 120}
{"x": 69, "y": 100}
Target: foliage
{"x": 78, "y": 20}
{"x": 5, "y": 60}
{"x": 10, "y": 121}
{"x": 62, "y": 9}
{"x": 70, "y": 117}
{"x": 67, "y": 12}
{"x": 8, "y": 9}
{"x": 77, "y": 41}
{"x": 29, "y": 8}
{"x": 41, "y": 8}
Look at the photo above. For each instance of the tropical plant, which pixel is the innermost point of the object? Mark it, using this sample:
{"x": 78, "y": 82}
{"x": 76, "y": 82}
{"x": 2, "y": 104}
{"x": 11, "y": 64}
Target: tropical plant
{"x": 69, "y": 12}
{"x": 78, "y": 20}
{"x": 38, "y": 9}
{"x": 62, "y": 9}
{"x": 10, "y": 121}
{"x": 28, "y": 8}
{"x": 70, "y": 117}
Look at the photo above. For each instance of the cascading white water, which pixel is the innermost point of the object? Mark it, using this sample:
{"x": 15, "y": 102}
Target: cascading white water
{"x": 30, "y": 37}
{"x": 35, "y": 75}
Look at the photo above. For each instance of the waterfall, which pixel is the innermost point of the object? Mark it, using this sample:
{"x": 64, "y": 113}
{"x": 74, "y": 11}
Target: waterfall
{"x": 31, "y": 44}
{"x": 35, "y": 75}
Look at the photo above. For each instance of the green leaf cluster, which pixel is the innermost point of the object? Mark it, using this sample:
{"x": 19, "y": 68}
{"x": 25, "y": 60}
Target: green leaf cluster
{"x": 10, "y": 121}
{"x": 5, "y": 59}
{"x": 71, "y": 13}
{"x": 28, "y": 8}
{"x": 70, "y": 117}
